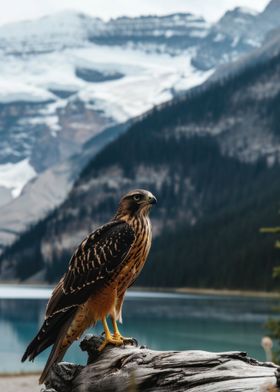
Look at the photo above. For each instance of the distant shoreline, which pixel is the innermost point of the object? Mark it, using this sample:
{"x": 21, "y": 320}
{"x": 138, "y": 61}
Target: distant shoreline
{"x": 207, "y": 291}
{"x": 178, "y": 290}
{"x": 20, "y": 374}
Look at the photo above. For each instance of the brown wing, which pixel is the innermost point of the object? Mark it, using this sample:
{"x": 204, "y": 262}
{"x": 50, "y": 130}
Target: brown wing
{"x": 94, "y": 262}
{"x": 92, "y": 265}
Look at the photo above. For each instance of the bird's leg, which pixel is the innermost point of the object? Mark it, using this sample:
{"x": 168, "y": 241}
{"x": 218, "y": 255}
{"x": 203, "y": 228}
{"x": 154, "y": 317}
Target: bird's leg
{"x": 117, "y": 333}
{"x": 109, "y": 339}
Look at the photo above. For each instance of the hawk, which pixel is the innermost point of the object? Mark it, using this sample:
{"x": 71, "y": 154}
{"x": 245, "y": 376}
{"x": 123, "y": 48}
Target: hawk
{"x": 100, "y": 271}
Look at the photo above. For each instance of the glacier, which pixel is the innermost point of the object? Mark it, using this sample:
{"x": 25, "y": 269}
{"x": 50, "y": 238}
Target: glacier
{"x": 15, "y": 176}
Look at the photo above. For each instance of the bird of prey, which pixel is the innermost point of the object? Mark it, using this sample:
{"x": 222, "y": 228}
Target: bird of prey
{"x": 101, "y": 269}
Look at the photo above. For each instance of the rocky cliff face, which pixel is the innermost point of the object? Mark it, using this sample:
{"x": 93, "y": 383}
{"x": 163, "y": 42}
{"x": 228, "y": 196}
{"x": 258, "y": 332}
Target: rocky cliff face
{"x": 237, "y": 32}
{"x": 171, "y": 33}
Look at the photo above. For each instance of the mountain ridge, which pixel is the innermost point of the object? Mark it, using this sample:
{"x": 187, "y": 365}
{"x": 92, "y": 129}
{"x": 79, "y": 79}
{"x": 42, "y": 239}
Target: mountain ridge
{"x": 212, "y": 202}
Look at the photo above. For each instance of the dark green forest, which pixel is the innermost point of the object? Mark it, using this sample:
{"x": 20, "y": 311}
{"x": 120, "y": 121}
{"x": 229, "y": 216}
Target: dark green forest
{"x": 224, "y": 247}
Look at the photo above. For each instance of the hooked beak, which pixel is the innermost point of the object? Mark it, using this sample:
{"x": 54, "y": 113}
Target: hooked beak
{"x": 152, "y": 200}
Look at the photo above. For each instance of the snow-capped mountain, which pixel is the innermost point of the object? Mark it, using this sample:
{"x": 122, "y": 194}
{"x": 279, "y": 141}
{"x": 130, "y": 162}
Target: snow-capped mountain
{"x": 47, "y": 34}
{"x": 237, "y": 32}
{"x": 211, "y": 157}
{"x": 58, "y": 88}
{"x": 67, "y": 77}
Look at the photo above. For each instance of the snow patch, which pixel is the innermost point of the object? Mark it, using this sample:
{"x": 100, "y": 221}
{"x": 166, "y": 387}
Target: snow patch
{"x": 219, "y": 37}
{"x": 169, "y": 33}
{"x": 199, "y": 33}
{"x": 235, "y": 41}
{"x": 15, "y": 176}
{"x": 11, "y": 91}
{"x": 50, "y": 32}
{"x": 248, "y": 11}
{"x": 157, "y": 77}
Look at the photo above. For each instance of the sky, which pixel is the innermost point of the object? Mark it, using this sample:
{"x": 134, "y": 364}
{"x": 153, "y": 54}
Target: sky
{"x": 14, "y": 10}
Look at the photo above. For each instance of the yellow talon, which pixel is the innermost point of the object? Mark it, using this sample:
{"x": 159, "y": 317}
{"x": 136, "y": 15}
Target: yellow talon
{"x": 117, "y": 335}
{"x": 109, "y": 339}
{"x": 123, "y": 338}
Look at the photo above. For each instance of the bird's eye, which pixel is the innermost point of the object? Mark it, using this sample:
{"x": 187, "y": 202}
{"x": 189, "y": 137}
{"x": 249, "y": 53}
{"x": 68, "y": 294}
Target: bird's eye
{"x": 136, "y": 197}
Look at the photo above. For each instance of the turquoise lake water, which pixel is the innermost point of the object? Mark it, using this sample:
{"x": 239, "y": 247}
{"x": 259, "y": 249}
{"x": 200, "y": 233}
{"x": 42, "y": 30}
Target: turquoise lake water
{"x": 161, "y": 321}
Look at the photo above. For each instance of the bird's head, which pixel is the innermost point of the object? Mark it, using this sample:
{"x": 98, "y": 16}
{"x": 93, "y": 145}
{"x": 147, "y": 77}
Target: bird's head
{"x": 138, "y": 201}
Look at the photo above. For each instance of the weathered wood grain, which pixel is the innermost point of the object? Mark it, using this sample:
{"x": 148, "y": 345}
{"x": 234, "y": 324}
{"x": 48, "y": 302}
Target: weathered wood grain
{"x": 131, "y": 368}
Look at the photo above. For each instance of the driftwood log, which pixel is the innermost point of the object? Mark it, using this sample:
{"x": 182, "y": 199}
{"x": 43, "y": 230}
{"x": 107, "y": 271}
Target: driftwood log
{"x": 131, "y": 368}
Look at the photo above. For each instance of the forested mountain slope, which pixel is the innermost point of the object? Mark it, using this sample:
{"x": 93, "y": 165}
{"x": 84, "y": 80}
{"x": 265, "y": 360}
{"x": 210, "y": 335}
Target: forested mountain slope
{"x": 212, "y": 159}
